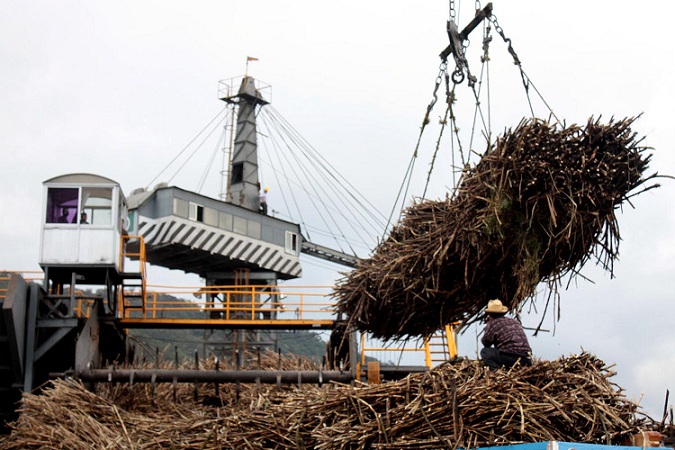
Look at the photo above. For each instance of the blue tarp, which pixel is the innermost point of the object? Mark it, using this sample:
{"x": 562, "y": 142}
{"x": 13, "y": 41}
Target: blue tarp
{"x": 555, "y": 445}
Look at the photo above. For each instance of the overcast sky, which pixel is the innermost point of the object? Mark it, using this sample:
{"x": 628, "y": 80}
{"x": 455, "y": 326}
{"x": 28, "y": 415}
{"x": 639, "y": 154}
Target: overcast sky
{"x": 119, "y": 88}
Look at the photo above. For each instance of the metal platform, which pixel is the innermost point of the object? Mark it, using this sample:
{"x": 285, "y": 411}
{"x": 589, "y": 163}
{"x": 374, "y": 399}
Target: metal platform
{"x": 222, "y": 324}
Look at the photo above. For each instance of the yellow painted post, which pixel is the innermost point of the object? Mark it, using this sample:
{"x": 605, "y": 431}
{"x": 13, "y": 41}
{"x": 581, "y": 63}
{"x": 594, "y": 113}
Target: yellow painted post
{"x": 363, "y": 357}
{"x": 427, "y": 354}
{"x": 452, "y": 343}
{"x": 374, "y": 372}
{"x": 253, "y": 316}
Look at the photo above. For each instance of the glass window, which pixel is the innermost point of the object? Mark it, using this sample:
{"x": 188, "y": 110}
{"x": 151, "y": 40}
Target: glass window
{"x": 240, "y": 225}
{"x": 254, "y": 229}
{"x": 225, "y": 221}
{"x": 180, "y": 208}
{"x": 62, "y": 205}
{"x": 96, "y": 206}
{"x": 123, "y": 213}
{"x": 196, "y": 212}
{"x": 211, "y": 217}
{"x": 131, "y": 222}
{"x": 291, "y": 243}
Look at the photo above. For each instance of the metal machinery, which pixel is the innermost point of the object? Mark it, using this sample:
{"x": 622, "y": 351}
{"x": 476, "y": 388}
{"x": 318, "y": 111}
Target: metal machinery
{"x": 231, "y": 244}
{"x": 92, "y": 235}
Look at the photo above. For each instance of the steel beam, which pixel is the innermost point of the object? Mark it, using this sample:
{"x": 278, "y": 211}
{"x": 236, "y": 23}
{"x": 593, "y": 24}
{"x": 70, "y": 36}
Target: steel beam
{"x": 14, "y": 313}
{"x": 50, "y": 342}
{"x": 214, "y": 376}
{"x": 31, "y": 335}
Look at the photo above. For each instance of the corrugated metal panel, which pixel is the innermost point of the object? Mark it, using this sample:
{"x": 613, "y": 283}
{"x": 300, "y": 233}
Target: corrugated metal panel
{"x": 202, "y": 238}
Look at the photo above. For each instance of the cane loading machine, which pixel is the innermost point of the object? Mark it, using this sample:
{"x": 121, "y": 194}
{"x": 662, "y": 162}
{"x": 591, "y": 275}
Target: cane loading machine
{"x": 94, "y": 236}
{"x": 91, "y": 231}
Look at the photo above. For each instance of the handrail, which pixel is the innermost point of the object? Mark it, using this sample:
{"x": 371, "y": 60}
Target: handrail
{"x": 5, "y": 275}
{"x": 249, "y": 302}
{"x": 141, "y": 256}
{"x": 450, "y": 350}
{"x": 367, "y": 348}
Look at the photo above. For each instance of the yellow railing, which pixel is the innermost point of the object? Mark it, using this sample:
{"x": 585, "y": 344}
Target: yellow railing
{"x": 367, "y": 347}
{"x": 83, "y": 305}
{"x": 449, "y": 351}
{"x": 81, "y": 308}
{"x": 249, "y": 302}
{"x": 445, "y": 339}
{"x": 28, "y": 275}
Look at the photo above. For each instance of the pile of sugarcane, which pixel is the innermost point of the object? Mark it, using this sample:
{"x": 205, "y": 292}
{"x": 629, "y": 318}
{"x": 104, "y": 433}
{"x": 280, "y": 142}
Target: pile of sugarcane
{"x": 537, "y": 206}
{"x": 144, "y": 396}
{"x": 453, "y": 406}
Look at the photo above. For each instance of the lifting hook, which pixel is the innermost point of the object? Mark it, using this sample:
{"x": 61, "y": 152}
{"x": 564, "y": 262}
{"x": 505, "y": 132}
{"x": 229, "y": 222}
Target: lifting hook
{"x": 457, "y": 38}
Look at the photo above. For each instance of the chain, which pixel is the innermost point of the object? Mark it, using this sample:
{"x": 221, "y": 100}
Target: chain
{"x": 500, "y": 31}
{"x": 487, "y": 38}
{"x": 527, "y": 83}
{"x": 452, "y": 14}
{"x": 442, "y": 72}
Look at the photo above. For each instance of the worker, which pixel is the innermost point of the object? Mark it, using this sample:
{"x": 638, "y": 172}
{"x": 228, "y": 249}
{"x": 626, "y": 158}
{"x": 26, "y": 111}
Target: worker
{"x": 263, "y": 201}
{"x": 83, "y": 218}
{"x": 64, "y": 215}
{"x": 504, "y": 339}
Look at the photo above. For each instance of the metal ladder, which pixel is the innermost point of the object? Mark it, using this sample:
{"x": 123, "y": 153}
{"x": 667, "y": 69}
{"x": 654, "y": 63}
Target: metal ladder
{"x": 440, "y": 347}
{"x": 133, "y": 290}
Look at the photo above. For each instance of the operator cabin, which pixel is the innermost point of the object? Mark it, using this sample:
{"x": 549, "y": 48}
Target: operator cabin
{"x": 197, "y": 234}
{"x": 84, "y": 218}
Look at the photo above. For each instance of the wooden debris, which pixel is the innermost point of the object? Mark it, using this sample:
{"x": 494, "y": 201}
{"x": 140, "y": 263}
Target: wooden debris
{"x": 539, "y": 204}
{"x": 570, "y": 399}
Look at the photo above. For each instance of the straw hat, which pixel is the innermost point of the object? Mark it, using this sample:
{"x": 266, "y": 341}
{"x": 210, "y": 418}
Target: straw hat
{"x": 495, "y": 306}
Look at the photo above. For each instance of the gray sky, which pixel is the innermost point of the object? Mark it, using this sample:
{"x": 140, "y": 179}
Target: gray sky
{"x": 118, "y": 88}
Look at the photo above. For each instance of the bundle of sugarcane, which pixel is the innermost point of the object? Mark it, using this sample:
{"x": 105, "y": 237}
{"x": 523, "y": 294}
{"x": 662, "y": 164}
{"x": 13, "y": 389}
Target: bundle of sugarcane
{"x": 453, "y": 406}
{"x": 538, "y": 205}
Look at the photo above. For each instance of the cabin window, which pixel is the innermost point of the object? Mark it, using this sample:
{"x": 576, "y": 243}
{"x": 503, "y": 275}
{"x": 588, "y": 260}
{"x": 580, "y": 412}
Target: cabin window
{"x": 196, "y": 212}
{"x": 180, "y": 208}
{"x": 96, "y": 206}
{"x": 240, "y": 225}
{"x": 225, "y": 221}
{"x": 211, "y": 217}
{"x": 123, "y": 215}
{"x": 62, "y": 205}
{"x": 131, "y": 222}
{"x": 237, "y": 173}
{"x": 86, "y": 205}
{"x": 291, "y": 243}
{"x": 254, "y": 229}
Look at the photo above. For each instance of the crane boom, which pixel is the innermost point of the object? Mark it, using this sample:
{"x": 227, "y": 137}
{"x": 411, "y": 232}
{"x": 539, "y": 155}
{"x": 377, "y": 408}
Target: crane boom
{"x": 328, "y": 254}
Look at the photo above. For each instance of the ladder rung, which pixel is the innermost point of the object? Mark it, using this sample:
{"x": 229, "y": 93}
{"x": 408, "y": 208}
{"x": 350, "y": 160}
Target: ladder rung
{"x": 131, "y": 275}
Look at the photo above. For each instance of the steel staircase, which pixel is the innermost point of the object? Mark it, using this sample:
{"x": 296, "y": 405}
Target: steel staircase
{"x": 441, "y": 347}
{"x": 132, "y": 293}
